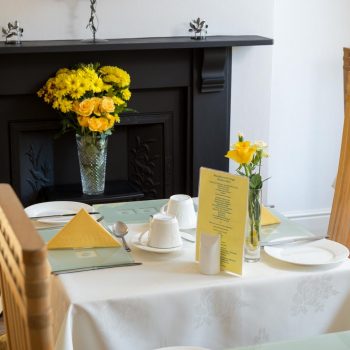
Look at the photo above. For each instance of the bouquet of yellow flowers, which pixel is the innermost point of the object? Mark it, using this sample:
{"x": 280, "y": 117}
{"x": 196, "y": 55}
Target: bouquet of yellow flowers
{"x": 249, "y": 157}
{"x": 90, "y": 97}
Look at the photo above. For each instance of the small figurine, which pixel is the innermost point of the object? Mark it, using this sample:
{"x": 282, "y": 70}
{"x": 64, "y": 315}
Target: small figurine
{"x": 199, "y": 28}
{"x": 13, "y": 30}
{"x": 93, "y": 20}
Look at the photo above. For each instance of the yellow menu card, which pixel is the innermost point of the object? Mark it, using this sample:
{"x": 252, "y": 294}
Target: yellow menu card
{"x": 222, "y": 209}
{"x": 82, "y": 232}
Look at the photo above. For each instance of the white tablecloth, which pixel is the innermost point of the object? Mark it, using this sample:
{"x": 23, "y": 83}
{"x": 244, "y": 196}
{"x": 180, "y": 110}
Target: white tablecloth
{"x": 166, "y": 302}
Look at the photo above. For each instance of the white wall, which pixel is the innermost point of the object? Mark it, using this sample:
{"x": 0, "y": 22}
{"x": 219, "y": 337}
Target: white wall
{"x": 67, "y": 19}
{"x": 306, "y": 103}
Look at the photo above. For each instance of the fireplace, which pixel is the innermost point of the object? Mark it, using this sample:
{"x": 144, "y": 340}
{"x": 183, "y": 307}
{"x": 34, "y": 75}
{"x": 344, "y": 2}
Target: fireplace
{"x": 181, "y": 95}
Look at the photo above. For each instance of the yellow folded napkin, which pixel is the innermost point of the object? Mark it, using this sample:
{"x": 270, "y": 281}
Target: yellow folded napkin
{"x": 267, "y": 218}
{"x": 82, "y": 231}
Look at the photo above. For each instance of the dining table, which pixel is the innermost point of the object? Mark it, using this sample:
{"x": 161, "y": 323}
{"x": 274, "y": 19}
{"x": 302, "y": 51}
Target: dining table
{"x": 166, "y": 301}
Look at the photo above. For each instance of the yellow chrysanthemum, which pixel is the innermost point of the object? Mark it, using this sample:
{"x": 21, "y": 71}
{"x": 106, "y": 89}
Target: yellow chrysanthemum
{"x": 67, "y": 82}
{"x": 65, "y": 105}
{"x": 55, "y": 104}
{"x": 126, "y": 94}
{"x": 48, "y": 98}
{"x": 118, "y": 101}
{"x": 77, "y": 93}
{"x": 106, "y": 87}
{"x": 41, "y": 93}
{"x": 115, "y": 75}
{"x": 62, "y": 70}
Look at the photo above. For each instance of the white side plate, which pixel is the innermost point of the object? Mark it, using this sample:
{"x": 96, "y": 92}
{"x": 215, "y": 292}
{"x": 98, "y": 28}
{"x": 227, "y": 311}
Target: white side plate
{"x": 56, "y": 208}
{"x": 321, "y": 252}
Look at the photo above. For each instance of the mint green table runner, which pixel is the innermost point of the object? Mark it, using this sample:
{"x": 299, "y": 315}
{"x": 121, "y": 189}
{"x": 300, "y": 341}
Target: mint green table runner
{"x": 137, "y": 212}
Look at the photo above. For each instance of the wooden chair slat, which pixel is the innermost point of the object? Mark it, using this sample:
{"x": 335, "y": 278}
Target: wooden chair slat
{"x": 25, "y": 278}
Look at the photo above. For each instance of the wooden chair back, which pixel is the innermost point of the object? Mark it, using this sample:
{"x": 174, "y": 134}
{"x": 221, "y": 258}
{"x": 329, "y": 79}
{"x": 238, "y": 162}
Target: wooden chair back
{"x": 25, "y": 278}
{"x": 339, "y": 223}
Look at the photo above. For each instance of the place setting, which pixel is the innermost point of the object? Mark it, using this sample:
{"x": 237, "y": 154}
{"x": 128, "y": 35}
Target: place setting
{"x": 176, "y": 221}
{"x": 77, "y": 238}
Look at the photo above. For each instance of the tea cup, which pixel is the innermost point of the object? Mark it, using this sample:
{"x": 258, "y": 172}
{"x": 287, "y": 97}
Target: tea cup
{"x": 163, "y": 232}
{"x": 182, "y": 207}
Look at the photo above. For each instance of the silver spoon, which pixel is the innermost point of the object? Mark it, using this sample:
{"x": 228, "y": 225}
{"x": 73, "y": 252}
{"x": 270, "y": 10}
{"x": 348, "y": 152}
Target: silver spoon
{"x": 120, "y": 229}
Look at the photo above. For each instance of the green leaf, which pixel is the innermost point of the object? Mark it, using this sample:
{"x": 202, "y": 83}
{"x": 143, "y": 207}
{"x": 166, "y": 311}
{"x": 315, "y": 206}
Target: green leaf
{"x": 255, "y": 181}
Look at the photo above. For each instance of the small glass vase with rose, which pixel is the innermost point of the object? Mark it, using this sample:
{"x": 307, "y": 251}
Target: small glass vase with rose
{"x": 90, "y": 99}
{"x": 249, "y": 157}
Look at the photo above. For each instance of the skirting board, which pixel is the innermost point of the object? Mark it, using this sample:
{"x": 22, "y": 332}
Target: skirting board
{"x": 315, "y": 221}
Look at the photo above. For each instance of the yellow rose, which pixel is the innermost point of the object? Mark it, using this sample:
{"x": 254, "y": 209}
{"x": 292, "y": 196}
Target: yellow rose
{"x": 98, "y": 124}
{"x": 107, "y": 105}
{"x": 84, "y": 108}
{"x": 96, "y": 101}
{"x": 242, "y": 153}
{"x": 111, "y": 120}
{"x": 83, "y": 121}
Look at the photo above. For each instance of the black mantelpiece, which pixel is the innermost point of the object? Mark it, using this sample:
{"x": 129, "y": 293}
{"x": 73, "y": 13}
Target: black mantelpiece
{"x": 163, "y": 43}
{"x": 181, "y": 90}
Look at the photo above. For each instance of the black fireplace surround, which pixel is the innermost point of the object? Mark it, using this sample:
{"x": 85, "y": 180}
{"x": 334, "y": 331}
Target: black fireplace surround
{"x": 181, "y": 95}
